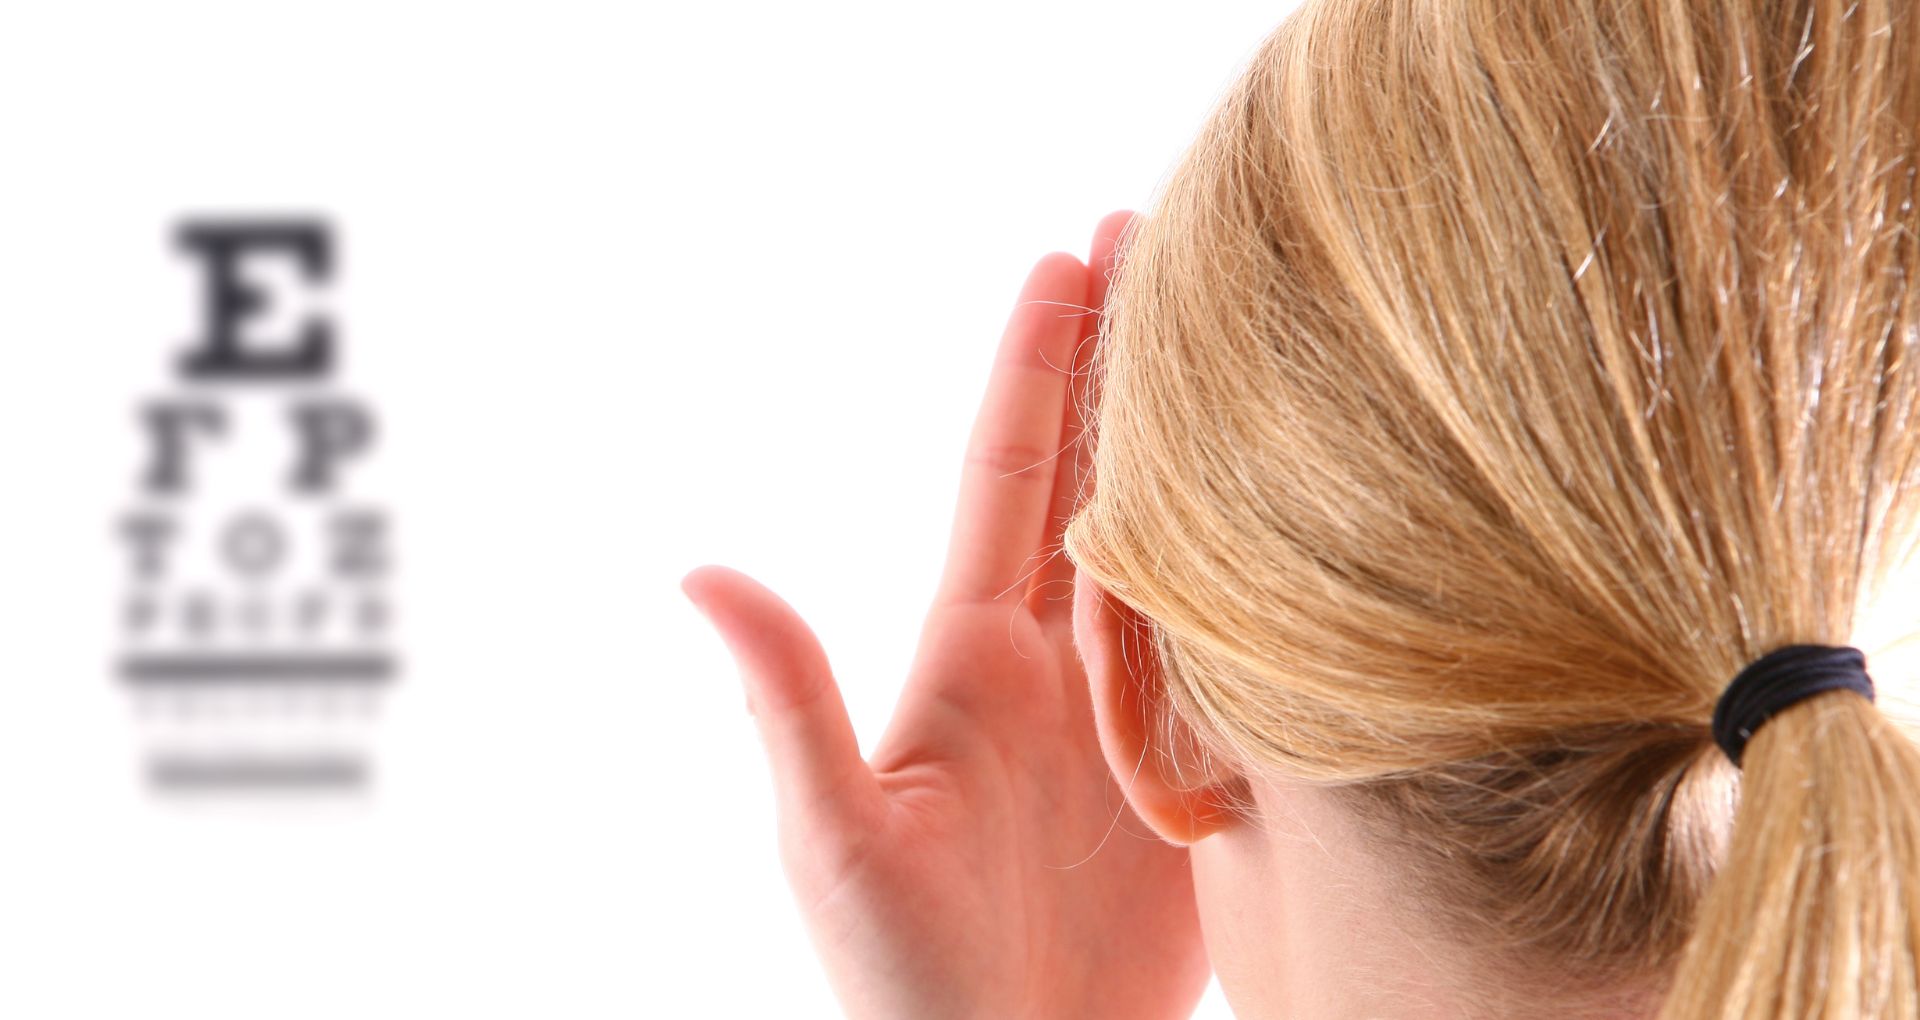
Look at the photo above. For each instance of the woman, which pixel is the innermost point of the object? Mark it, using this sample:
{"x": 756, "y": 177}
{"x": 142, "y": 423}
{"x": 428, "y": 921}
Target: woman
{"x": 1496, "y": 392}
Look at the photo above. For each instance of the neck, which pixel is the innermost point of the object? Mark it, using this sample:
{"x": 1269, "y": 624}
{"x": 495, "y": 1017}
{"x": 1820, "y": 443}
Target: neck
{"x": 1303, "y": 922}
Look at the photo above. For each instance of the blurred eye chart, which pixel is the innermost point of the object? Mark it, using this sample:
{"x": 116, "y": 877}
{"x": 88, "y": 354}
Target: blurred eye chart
{"x": 373, "y": 371}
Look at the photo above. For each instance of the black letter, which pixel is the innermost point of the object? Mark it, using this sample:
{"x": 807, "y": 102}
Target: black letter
{"x": 329, "y": 430}
{"x": 169, "y": 425}
{"x": 230, "y": 301}
{"x": 148, "y": 534}
{"x": 360, "y": 547}
{"x": 254, "y": 545}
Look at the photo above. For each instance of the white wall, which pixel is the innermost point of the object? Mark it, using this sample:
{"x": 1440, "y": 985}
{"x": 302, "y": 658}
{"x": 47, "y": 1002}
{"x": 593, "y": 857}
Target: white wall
{"x": 633, "y": 287}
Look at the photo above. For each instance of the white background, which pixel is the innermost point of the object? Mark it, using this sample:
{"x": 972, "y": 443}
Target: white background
{"x": 631, "y": 287}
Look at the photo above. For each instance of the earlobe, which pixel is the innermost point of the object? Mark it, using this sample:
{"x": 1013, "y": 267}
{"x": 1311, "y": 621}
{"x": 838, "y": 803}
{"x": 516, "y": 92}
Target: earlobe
{"x": 1153, "y": 766}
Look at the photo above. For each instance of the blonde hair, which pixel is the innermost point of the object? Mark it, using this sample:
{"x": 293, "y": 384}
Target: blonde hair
{"x": 1489, "y": 384}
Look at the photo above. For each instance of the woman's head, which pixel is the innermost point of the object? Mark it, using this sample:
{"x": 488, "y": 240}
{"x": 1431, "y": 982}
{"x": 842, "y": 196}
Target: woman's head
{"x": 1490, "y": 383}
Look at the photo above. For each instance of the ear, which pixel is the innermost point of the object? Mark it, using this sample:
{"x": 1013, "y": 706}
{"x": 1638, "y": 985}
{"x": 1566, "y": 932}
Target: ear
{"x": 1152, "y": 759}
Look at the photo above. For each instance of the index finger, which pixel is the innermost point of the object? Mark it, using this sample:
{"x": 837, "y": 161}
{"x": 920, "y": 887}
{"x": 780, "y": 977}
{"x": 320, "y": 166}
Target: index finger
{"x": 1051, "y": 586}
{"x": 1013, "y": 452}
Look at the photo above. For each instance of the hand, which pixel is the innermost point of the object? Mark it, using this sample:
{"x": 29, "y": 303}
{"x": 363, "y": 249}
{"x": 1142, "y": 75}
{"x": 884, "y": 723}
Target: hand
{"x": 984, "y": 863}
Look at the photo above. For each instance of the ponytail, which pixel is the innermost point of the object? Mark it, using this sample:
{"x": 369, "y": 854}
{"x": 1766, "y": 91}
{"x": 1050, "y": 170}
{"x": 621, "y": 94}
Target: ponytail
{"x": 1815, "y": 911}
{"x": 1487, "y": 382}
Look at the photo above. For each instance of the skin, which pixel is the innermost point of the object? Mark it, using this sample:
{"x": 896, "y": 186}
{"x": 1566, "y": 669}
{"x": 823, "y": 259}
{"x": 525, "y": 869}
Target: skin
{"x": 949, "y": 875}
{"x": 955, "y": 873}
{"x": 1299, "y": 913}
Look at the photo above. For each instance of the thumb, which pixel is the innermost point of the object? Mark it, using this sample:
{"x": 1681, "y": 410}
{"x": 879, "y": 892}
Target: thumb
{"x": 817, "y": 768}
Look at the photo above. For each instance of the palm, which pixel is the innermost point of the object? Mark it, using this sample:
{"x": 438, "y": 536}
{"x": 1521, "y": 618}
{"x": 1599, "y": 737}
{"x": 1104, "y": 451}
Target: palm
{"x": 983, "y": 862}
{"x": 1007, "y": 860}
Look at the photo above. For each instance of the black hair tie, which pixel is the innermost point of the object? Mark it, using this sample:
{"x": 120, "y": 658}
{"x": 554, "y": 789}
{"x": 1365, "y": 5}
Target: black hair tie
{"x": 1778, "y": 679}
